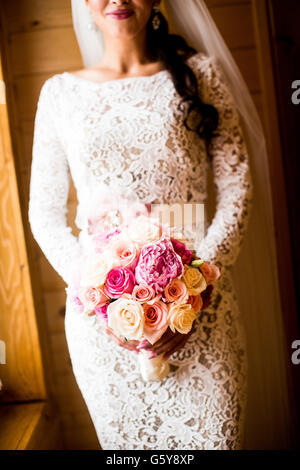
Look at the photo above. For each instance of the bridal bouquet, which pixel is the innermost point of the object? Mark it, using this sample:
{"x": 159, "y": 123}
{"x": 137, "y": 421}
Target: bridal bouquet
{"x": 140, "y": 280}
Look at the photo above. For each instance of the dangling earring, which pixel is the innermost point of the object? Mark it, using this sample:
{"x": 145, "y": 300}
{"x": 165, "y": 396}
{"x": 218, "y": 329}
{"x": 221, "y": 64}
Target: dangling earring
{"x": 156, "y": 19}
{"x": 92, "y": 26}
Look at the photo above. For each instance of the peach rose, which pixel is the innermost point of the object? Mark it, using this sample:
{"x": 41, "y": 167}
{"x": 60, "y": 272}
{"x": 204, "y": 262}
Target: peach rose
{"x": 92, "y": 297}
{"x": 196, "y": 302}
{"x": 181, "y": 317}
{"x": 126, "y": 318}
{"x": 194, "y": 280}
{"x": 143, "y": 293}
{"x": 125, "y": 252}
{"x": 156, "y": 321}
{"x": 211, "y": 272}
{"x": 176, "y": 291}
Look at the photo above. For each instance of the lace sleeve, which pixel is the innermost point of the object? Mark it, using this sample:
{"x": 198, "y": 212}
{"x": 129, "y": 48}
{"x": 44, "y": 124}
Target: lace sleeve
{"x": 232, "y": 178}
{"x": 49, "y": 188}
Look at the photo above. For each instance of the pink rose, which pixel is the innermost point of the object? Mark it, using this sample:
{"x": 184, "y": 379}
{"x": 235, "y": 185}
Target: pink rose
{"x": 176, "y": 291}
{"x": 143, "y": 293}
{"x": 196, "y": 302}
{"x": 118, "y": 281}
{"x": 184, "y": 253}
{"x": 158, "y": 264}
{"x": 125, "y": 252}
{"x": 101, "y": 312}
{"x": 156, "y": 321}
{"x": 211, "y": 272}
{"x": 92, "y": 297}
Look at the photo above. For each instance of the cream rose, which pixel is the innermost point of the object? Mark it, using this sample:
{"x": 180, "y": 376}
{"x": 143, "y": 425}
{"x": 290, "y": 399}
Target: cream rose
{"x": 143, "y": 230}
{"x": 194, "y": 280}
{"x": 181, "y": 317}
{"x": 96, "y": 268}
{"x": 126, "y": 318}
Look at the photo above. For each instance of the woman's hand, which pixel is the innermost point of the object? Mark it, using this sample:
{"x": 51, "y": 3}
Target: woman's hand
{"x": 168, "y": 344}
{"x": 131, "y": 345}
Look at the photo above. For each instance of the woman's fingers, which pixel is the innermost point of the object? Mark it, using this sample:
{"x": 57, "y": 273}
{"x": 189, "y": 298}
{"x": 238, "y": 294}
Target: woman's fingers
{"x": 165, "y": 337}
{"x": 167, "y": 345}
{"x": 175, "y": 348}
{"x": 173, "y": 344}
{"x": 130, "y": 345}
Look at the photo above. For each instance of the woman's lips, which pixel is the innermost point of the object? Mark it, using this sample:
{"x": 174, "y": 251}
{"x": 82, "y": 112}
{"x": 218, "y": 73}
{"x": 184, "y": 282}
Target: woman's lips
{"x": 120, "y": 14}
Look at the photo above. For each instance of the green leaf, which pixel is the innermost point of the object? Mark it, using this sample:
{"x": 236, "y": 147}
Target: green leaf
{"x": 196, "y": 263}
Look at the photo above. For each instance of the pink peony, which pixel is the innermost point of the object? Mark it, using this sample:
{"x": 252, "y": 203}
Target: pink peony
{"x": 101, "y": 312}
{"x": 156, "y": 321}
{"x": 158, "y": 264}
{"x": 118, "y": 281}
{"x": 211, "y": 272}
{"x": 184, "y": 253}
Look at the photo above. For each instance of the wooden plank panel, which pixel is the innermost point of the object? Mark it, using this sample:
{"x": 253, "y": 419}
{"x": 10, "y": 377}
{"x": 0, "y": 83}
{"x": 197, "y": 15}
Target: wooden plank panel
{"x": 235, "y": 24}
{"x": 23, "y": 376}
{"x": 55, "y": 303}
{"x": 30, "y": 426}
{"x": 60, "y": 353}
{"x": 17, "y": 424}
{"x": 23, "y": 16}
{"x": 83, "y": 438}
{"x": 44, "y": 51}
{"x": 221, "y": 3}
{"x": 246, "y": 60}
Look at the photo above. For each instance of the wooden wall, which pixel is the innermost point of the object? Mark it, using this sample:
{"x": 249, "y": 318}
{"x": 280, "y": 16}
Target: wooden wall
{"x": 40, "y": 42}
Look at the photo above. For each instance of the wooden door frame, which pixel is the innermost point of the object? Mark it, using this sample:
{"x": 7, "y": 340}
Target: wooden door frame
{"x": 271, "y": 106}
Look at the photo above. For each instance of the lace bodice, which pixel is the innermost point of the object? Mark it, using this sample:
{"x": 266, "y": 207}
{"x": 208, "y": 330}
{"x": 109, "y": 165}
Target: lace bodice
{"x": 129, "y": 133}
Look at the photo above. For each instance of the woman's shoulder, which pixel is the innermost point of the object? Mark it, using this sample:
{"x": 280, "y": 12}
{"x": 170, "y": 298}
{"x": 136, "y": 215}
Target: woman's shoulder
{"x": 200, "y": 62}
{"x": 51, "y": 84}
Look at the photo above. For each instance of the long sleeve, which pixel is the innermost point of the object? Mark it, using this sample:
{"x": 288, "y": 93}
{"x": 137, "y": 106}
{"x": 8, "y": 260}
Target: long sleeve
{"x": 231, "y": 173}
{"x": 49, "y": 188}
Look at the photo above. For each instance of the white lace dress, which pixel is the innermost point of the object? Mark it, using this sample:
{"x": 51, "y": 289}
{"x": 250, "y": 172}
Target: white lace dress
{"x": 130, "y": 133}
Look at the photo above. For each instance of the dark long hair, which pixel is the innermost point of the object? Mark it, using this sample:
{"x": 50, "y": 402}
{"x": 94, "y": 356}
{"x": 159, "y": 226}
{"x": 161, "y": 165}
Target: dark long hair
{"x": 173, "y": 51}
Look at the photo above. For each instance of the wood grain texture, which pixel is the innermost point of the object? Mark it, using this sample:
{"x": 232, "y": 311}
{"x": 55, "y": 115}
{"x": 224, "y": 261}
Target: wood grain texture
{"x": 28, "y": 427}
{"x": 22, "y": 376}
{"x": 40, "y": 43}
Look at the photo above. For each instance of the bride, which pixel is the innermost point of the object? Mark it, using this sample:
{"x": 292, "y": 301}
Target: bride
{"x": 150, "y": 116}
